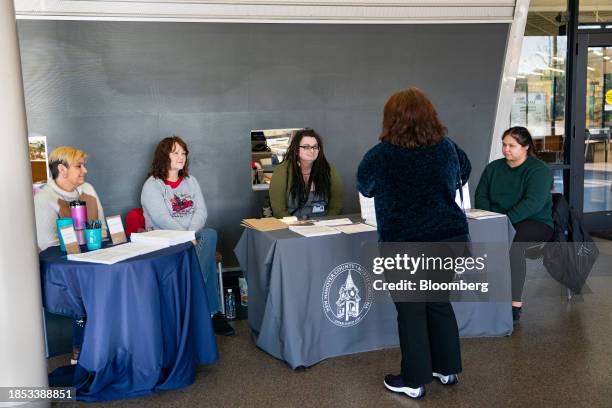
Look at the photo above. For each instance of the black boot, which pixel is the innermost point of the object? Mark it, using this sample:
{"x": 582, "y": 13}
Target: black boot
{"x": 221, "y": 326}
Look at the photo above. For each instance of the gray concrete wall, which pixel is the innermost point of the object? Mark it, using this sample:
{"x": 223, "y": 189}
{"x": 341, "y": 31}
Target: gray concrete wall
{"x": 115, "y": 89}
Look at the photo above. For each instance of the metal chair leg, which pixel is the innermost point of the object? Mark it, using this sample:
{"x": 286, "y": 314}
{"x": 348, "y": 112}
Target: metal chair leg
{"x": 45, "y": 333}
{"x": 221, "y": 298}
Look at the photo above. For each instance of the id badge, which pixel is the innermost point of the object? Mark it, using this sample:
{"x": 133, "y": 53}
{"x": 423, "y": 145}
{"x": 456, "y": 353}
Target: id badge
{"x": 318, "y": 208}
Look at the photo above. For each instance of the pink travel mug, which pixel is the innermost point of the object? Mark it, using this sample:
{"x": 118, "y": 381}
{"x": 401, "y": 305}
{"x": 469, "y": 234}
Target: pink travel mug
{"x": 78, "y": 211}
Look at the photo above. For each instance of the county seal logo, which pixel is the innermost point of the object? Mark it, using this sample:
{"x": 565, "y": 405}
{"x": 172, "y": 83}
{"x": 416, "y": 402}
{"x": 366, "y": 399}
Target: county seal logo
{"x": 347, "y": 294}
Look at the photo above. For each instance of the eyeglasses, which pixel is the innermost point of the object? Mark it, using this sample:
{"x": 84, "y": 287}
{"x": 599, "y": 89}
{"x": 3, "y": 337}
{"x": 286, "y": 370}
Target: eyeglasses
{"x": 313, "y": 148}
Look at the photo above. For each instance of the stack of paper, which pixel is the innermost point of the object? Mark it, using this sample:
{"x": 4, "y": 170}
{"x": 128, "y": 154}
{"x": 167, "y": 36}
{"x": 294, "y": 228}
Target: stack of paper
{"x": 477, "y": 214}
{"x": 333, "y": 223}
{"x": 289, "y": 220}
{"x": 313, "y": 230}
{"x": 115, "y": 254}
{"x": 355, "y": 228}
{"x": 163, "y": 237}
{"x": 263, "y": 224}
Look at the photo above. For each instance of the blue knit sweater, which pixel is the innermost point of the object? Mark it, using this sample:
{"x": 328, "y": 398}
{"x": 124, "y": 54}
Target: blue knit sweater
{"x": 414, "y": 190}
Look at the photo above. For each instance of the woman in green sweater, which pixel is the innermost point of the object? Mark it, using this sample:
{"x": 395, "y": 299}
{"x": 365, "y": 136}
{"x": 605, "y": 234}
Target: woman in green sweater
{"x": 305, "y": 185}
{"x": 519, "y": 185}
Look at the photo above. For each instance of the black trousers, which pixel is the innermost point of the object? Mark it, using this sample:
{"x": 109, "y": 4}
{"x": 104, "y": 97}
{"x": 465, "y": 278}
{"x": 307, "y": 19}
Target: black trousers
{"x": 429, "y": 341}
{"x": 528, "y": 233}
{"x": 428, "y": 333}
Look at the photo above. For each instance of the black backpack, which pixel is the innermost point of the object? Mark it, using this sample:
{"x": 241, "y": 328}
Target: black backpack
{"x": 571, "y": 252}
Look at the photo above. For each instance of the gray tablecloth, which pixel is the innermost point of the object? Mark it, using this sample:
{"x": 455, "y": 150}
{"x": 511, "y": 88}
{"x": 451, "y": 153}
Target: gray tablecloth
{"x": 289, "y": 289}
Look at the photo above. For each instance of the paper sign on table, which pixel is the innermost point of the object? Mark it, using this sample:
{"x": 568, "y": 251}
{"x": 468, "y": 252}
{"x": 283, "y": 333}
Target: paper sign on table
{"x": 115, "y": 229}
{"x": 368, "y": 211}
{"x": 70, "y": 239}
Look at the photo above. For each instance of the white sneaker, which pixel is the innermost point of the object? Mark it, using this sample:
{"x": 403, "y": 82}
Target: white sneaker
{"x": 396, "y": 384}
{"x": 447, "y": 379}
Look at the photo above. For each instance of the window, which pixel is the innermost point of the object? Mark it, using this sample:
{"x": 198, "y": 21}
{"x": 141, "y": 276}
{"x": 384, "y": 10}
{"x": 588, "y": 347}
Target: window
{"x": 539, "y": 95}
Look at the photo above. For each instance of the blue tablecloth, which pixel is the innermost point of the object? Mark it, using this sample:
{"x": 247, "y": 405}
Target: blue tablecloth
{"x": 148, "y": 323}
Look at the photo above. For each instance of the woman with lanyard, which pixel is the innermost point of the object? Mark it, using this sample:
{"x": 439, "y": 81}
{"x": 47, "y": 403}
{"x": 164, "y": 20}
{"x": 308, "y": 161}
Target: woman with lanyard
{"x": 305, "y": 185}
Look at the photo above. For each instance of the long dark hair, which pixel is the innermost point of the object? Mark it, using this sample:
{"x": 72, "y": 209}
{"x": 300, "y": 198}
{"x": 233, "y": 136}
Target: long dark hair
{"x": 320, "y": 175}
{"x": 161, "y": 158}
{"x": 522, "y": 137}
{"x": 410, "y": 120}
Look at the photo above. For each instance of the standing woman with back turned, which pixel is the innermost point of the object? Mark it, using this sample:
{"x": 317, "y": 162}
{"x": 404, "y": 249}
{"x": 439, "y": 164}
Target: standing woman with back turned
{"x": 413, "y": 175}
{"x": 519, "y": 186}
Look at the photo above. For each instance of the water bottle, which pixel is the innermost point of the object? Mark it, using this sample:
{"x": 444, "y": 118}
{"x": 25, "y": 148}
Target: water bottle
{"x": 230, "y": 305}
{"x": 78, "y": 212}
{"x": 244, "y": 294}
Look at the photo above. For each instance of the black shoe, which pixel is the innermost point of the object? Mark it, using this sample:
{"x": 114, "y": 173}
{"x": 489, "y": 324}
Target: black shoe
{"x": 395, "y": 383}
{"x": 447, "y": 379}
{"x": 221, "y": 326}
{"x": 516, "y": 314}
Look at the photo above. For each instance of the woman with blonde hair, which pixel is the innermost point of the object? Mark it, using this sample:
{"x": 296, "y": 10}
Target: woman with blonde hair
{"x": 67, "y": 184}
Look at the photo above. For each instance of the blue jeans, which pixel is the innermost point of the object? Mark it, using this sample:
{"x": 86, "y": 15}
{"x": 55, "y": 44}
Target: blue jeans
{"x": 205, "y": 249}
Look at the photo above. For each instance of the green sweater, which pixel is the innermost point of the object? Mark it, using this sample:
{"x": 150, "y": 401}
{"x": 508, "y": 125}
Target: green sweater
{"x": 279, "y": 191}
{"x": 522, "y": 193}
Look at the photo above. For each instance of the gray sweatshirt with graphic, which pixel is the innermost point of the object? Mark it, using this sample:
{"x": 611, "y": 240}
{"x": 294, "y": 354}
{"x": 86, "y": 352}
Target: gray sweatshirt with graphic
{"x": 181, "y": 208}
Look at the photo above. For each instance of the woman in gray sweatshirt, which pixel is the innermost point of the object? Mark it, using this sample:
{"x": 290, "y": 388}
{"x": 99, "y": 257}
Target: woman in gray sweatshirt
{"x": 172, "y": 200}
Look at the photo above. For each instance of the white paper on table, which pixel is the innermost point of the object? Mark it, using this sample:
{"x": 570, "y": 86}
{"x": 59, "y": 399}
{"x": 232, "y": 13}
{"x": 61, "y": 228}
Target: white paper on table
{"x": 313, "y": 230}
{"x": 116, "y": 253}
{"x": 332, "y": 223}
{"x": 68, "y": 234}
{"x": 100, "y": 256}
{"x": 477, "y": 214}
{"x": 355, "y": 228}
{"x": 114, "y": 224}
{"x": 163, "y": 237}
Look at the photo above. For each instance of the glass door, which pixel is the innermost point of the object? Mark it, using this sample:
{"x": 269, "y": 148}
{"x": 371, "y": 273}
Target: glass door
{"x": 596, "y": 65}
{"x": 597, "y": 155}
